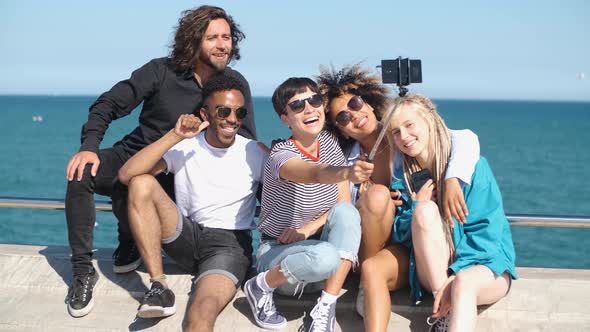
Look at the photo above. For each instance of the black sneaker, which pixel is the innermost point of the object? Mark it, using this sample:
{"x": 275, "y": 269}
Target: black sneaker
{"x": 126, "y": 258}
{"x": 439, "y": 325}
{"x": 157, "y": 302}
{"x": 79, "y": 299}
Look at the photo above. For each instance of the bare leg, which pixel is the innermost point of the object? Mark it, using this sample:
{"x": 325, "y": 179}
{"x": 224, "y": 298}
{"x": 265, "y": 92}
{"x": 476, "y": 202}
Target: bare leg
{"x": 474, "y": 286}
{"x": 377, "y": 212}
{"x": 430, "y": 246}
{"x": 334, "y": 283}
{"x": 274, "y": 278}
{"x": 212, "y": 293}
{"x": 384, "y": 272}
{"x": 152, "y": 216}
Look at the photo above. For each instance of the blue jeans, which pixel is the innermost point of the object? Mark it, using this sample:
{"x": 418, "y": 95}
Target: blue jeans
{"x": 313, "y": 261}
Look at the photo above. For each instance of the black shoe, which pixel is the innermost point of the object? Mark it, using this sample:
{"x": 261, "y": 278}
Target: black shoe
{"x": 126, "y": 258}
{"x": 157, "y": 302}
{"x": 79, "y": 300}
{"x": 439, "y": 325}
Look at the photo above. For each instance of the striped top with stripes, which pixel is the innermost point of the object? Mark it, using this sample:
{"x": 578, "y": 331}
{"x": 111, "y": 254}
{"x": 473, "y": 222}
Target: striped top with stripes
{"x": 287, "y": 204}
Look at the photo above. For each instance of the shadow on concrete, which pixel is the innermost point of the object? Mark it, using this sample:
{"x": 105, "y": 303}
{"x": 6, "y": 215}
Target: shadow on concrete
{"x": 58, "y": 258}
{"x": 144, "y": 323}
{"x": 188, "y": 304}
{"x": 415, "y": 314}
{"x": 291, "y": 308}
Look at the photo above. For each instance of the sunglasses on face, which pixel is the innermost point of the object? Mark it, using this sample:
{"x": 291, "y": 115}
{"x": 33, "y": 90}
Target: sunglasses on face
{"x": 355, "y": 103}
{"x": 298, "y": 106}
{"x": 224, "y": 111}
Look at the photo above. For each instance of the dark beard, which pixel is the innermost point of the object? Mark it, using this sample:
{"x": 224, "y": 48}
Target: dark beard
{"x": 207, "y": 61}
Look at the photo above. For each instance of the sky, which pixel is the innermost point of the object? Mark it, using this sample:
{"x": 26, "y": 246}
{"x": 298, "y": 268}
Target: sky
{"x": 521, "y": 50}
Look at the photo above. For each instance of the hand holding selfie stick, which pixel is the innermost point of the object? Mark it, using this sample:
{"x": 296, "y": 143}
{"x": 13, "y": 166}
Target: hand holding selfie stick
{"x": 401, "y": 72}
{"x": 385, "y": 124}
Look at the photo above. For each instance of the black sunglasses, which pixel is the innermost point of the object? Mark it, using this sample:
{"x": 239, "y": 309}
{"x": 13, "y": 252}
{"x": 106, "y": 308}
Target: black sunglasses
{"x": 224, "y": 111}
{"x": 298, "y": 106}
{"x": 355, "y": 103}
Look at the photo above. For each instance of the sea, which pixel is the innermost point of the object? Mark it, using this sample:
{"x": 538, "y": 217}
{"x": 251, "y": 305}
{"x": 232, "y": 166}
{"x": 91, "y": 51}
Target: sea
{"x": 539, "y": 152}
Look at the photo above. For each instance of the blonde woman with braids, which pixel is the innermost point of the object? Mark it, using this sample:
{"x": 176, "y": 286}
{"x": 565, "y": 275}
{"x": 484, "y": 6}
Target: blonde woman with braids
{"x": 464, "y": 265}
{"x": 355, "y": 100}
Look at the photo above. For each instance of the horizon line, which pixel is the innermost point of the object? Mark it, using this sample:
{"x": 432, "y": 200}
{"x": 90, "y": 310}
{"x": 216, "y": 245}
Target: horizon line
{"x": 262, "y": 96}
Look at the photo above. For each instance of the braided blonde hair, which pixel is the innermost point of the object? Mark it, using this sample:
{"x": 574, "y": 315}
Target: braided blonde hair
{"x": 439, "y": 148}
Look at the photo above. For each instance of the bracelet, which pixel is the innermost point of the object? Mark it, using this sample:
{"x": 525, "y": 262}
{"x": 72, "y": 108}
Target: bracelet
{"x": 158, "y": 278}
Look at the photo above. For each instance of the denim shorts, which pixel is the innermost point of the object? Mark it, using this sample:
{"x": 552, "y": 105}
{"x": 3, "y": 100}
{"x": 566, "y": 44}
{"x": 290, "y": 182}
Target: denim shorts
{"x": 203, "y": 250}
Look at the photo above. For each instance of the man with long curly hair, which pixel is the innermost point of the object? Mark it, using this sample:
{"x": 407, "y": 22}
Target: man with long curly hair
{"x": 206, "y": 41}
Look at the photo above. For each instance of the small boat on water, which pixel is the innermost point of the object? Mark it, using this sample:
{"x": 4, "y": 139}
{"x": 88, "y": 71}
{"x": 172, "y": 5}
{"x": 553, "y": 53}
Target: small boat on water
{"x": 34, "y": 282}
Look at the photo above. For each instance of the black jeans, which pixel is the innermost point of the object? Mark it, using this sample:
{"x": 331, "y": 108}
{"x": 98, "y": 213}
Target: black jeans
{"x": 80, "y": 208}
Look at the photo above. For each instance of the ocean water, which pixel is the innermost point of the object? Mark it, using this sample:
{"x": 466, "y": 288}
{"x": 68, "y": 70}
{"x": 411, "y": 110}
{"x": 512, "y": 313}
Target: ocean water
{"x": 539, "y": 152}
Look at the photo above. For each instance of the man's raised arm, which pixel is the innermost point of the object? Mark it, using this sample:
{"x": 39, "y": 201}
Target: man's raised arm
{"x": 149, "y": 159}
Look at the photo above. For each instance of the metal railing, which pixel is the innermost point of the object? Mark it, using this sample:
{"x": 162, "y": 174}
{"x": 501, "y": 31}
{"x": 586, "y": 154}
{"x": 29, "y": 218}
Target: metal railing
{"x": 534, "y": 220}
{"x": 44, "y": 203}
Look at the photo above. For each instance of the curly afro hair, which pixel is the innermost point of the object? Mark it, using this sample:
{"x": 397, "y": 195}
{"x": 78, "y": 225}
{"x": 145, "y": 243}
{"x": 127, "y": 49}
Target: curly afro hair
{"x": 354, "y": 80}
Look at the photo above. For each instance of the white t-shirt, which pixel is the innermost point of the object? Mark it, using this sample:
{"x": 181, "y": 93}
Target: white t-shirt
{"x": 464, "y": 155}
{"x": 217, "y": 187}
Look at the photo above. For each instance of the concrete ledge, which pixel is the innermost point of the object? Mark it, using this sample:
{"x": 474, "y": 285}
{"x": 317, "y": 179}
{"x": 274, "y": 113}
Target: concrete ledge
{"x": 34, "y": 282}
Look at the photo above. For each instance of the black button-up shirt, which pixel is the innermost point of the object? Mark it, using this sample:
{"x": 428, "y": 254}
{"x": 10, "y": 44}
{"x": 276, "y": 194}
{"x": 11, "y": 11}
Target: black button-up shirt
{"x": 165, "y": 95}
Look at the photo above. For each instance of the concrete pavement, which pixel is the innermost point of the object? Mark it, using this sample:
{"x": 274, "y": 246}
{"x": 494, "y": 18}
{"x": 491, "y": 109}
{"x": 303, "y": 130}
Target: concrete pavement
{"x": 34, "y": 282}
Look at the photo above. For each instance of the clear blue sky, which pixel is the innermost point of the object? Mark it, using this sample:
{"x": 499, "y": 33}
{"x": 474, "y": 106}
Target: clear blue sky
{"x": 470, "y": 49}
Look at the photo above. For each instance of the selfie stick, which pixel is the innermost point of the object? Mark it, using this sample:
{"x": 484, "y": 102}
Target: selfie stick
{"x": 384, "y": 125}
{"x": 385, "y": 120}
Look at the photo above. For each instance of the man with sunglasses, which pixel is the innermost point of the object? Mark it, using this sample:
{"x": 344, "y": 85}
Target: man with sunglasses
{"x": 206, "y": 41}
{"x": 207, "y": 232}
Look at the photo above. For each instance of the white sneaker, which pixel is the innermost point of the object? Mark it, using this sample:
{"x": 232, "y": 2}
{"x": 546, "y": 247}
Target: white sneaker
{"x": 263, "y": 307}
{"x": 360, "y": 302}
{"x": 324, "y": 317}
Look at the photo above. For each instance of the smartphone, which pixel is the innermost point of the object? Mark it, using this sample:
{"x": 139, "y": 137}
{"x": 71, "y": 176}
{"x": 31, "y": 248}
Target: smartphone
{"x": 400, "y": 71}
{"x": 419, "y": 179}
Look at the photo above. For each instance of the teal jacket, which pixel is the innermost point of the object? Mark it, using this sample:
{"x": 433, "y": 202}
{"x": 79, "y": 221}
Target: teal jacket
{"x": 484, "y": 239}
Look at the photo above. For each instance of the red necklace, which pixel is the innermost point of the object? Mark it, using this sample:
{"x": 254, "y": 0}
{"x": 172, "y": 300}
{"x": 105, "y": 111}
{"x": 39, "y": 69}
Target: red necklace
{"x": 305, "y": 153}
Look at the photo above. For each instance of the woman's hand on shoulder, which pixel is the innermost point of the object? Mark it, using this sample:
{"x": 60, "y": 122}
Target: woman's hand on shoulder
{"x": 454, "y": 203}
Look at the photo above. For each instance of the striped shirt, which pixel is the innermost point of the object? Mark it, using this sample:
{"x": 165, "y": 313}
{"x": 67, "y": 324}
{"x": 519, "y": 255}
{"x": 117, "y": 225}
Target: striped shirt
{"x": 287, "y": 204}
